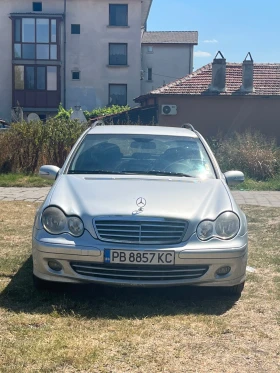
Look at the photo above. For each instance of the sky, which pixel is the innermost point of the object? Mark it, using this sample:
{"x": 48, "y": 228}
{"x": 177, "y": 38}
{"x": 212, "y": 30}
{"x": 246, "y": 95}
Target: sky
{"x": 235, "y": 27}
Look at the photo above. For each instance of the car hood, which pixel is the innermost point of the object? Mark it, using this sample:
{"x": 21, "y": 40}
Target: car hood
{"x": 181, "y": 198}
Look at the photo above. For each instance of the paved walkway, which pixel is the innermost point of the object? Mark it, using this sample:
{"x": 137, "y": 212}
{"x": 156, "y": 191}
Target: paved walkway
{"x": 268, "y": 199}
{"x": 23, "y": 194}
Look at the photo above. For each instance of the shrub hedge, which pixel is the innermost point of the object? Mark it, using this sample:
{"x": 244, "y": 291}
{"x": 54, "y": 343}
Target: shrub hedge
{"x": 107, "y": 110}
{"x": 26, "y": 146}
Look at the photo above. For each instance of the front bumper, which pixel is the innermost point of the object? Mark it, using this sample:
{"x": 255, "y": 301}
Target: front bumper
{"x": 187, "y": 257}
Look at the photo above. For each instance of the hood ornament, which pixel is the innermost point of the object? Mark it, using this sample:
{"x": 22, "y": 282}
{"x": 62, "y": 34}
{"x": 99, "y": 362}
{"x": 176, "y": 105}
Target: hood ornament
{"x": 141, "y": 203}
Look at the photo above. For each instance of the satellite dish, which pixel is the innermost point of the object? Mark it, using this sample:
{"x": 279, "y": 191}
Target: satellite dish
{"x": 33, "y": 117}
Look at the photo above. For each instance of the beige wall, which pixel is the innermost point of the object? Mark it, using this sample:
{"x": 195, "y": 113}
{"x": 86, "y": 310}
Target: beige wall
{"x": 87, "y": 52}
{"x": 168, "y": 61}
{"x": 209, "y": 115}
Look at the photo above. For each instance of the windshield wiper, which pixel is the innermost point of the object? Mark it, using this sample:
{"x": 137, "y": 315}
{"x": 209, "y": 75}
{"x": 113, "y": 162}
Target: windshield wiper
{"x": 158, "y": 173}
{"x": 97, "y": 172}
{"x": 153, "y": 172}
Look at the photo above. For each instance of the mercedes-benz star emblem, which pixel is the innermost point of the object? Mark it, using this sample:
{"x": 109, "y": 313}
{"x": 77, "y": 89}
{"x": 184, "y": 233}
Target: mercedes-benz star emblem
{"x": 141, "y": 202}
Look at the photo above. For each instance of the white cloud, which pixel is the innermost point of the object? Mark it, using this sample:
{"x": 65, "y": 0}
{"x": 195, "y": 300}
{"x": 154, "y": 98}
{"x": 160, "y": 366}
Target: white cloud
{"x": 202, "y": 54}
{"x": 210, "y": 41}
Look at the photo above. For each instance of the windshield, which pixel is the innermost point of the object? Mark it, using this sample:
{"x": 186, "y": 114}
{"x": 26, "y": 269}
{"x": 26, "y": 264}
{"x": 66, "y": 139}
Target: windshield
{"x": 142, "y": 154}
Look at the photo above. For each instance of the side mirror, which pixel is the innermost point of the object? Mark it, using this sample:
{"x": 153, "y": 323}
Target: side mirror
{"x": 234, "y": 177}
{"x": 49, "y": 172}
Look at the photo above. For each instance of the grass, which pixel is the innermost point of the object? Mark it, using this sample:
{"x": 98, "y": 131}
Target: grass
{"x": 269, "y": 185}
{"x": 22, "y": 180}
{"x": 101, "y": 329}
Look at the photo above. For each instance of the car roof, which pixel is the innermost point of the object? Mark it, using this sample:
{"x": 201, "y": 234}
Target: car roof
{"x": 142, "y": 130}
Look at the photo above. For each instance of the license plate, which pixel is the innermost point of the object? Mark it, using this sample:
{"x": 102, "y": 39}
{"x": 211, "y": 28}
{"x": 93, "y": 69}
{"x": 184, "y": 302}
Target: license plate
{"x": 139, "y": 257}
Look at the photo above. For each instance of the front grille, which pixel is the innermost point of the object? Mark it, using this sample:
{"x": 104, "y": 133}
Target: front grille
{"x": 139, "y": 273}
{"x": 140, "y": 231}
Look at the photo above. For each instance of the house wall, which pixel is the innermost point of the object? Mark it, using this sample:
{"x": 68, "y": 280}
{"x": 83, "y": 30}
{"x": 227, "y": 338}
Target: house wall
{"x": 209, "y": 115}
{"x": 168, "y": 61}
{"x": 87, "y": 52}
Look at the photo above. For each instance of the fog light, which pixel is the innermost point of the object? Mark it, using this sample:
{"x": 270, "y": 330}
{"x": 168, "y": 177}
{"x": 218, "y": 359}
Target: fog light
{"x": 54, "y": 265}
{"x": 223, "y": 271}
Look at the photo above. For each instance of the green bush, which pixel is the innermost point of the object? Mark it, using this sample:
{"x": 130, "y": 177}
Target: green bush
{"x": 63, "y": 113}
{"x": 249, "y": 152}
{"x": 108, "y": 110}
{"x": 26, "y": 146}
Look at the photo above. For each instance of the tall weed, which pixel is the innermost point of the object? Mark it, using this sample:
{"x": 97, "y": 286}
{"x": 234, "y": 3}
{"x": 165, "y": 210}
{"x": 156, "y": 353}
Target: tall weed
{"x": 250, "y": 152}
{"x": 26, "y": 146}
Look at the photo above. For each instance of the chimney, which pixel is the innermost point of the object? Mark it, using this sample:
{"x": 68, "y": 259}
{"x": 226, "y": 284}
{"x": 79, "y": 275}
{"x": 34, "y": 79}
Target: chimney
{"x": 218, "y": 74}
{"x": 248, "y": 74}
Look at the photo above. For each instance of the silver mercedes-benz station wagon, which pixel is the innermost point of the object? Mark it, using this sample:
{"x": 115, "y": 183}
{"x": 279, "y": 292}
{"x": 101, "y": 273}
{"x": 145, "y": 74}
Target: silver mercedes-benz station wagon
{"x": 141, "y": 206}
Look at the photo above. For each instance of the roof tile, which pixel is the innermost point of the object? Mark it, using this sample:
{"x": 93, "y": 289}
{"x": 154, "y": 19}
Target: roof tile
{"x": 170, "y": 37}
{"x": 266, "y": 81}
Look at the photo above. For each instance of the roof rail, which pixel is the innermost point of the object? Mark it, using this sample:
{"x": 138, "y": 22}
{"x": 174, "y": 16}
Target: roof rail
{"x": 98, "y": 123}
{"x": 188, "y": 126}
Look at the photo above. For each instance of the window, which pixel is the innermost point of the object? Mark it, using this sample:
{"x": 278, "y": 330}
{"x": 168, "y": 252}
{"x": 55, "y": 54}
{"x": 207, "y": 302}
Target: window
{"x": 28, "y": 30}
{"x": 43, "y": 52}
{"x": 19, "y": 77}
{"x": 53, "y": 30}
{"x": 36, "y": 78}
{"x": 75, "y": 29}
{"x": 118, "y": 94}
{"x": 150, "y": 49}
{"x": 42, "y": 30}
{"x": 117, "y": 54}
{"x": 17, "y": 50}
{"x": 35, "y": 39}
{"x": 41, "y": 78}
{"x": 159, "y": 153}
{"x": 76, "y": 75}
{"x": 37, "y": 7}
{"x": 150, "y": 74}
{"x": 51, "y": 78}
{"x": 30, "y": 77}
{"x": 28, "y": 51}
{"x": 17, "y": 26}
{"x": 118, "y": 14}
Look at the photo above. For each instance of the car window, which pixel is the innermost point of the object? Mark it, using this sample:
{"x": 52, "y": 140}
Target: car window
{"x": 143, "y": 154}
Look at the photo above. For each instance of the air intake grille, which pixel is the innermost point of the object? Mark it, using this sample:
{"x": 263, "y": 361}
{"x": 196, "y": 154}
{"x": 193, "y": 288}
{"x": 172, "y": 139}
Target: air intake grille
{"x": 139, "y": 273}
{"x": 144, "y": 231}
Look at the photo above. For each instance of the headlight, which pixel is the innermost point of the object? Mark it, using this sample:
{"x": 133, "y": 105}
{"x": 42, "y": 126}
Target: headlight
{"x": 55, "y": 222}
{"x": 76, "y": 226}
{"x": 226, "y": 226}
{"x": 205, "y": 230}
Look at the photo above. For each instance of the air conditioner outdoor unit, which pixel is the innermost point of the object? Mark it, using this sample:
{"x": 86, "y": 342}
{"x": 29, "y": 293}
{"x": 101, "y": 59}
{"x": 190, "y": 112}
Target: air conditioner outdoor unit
{"x": 169, "y": 109}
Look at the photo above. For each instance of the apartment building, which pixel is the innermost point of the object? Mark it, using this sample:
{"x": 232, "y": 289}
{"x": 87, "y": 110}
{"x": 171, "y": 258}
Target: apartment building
{"x": 166, "y": 56}
{"x": 78, "y": 52}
